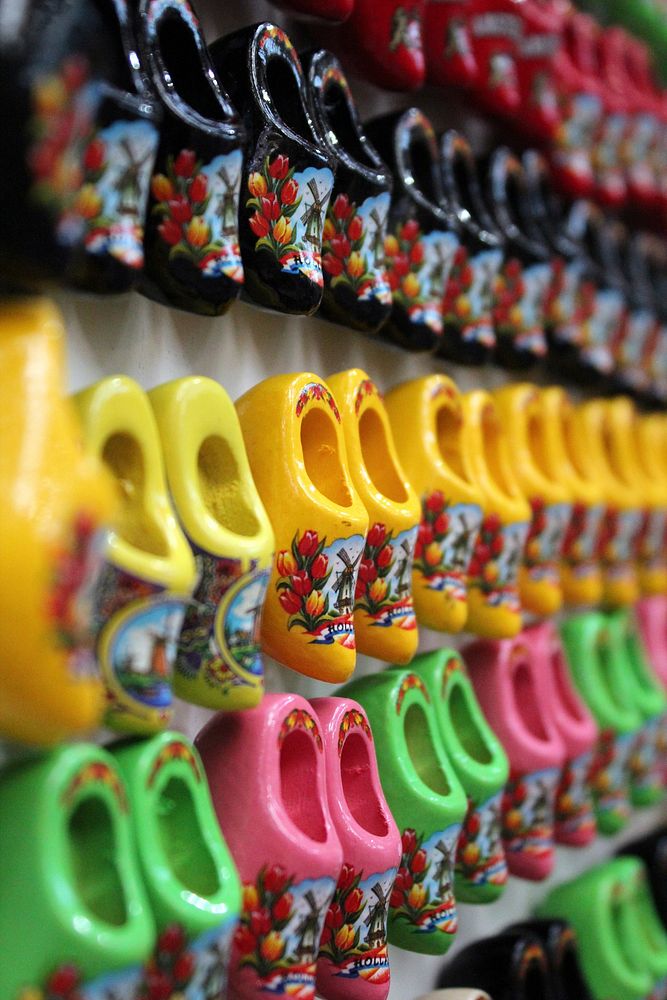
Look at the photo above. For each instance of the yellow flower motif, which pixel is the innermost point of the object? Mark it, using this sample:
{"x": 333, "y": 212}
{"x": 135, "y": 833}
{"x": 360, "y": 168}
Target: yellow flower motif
{"x": 432, "y": 554}
{"x": 377, "y": 591}
{"x": 285, "y": 563}
{"x": 272, "y": 947}
{"x": 410, "y": 285}
{"x": 88, "y": 203}
{"x": 50, "y": 95}
{"x": 314, "y": 603}
{"x": 250, "y": 898}
{"x": 257, "y": 185}
{"x": 417, "y": 896}
{"x": 282, "y": 231}
{"x": 355, "y": 265}
{"x": 198, "y": 232}
{"x": 162, "y": 188}
{"x": 391, "y": 246}
{"x": 344, "y": 938}
{"x": 30, "y": 993}
{"x": 329, "y": 230}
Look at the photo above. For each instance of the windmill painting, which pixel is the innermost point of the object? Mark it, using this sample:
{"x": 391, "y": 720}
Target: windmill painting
{"x": 443, "y": 870}
{"x": 130, "y": 183}
{"x": 313, "y": 216}
{"x": 308, "y": 930}
{"x": 376, "y": 918}
{"x": 403, "y": 567}
{"x": 228, "y": 199}
{"x": 345, "y": 583}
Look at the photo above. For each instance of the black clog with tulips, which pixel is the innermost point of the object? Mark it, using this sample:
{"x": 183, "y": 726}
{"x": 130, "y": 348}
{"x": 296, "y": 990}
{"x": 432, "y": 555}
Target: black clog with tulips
{"x": 422, "y": 235}
{"x": 80, "y": 136}
{"x": 356, "y": 288}
{"x": 522, "y": 284}
{"x": 287, "y": 175}
{"x": 513, "y": 965}
{"x": 193, "y": 260}
{"x": 562, "y": 951}
{"x": 468, "y": 335}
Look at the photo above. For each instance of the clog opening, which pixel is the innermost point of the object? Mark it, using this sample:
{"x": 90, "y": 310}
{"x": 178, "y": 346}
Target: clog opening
{"x": 570, "y": 440}
{"x": 570, "y": 975}
{"x": 321, "y": 457}
{"x": 448, "y": 427}
{"x": 283, "y": 88}
{"x": 93, "y": 850}
{"x": 465, "y": 186}
{"x": 526, "y": 701}
{"x": 358, "y": 786}
{"x": 464, "y": 724}
{"x": 123, "y": 456}
{"x": 421, "y": 749}
{"x": 611, "y": 452}
{"x": 299, "y": 784}
{"x": 423, "y": 167}
{"x": 495, "y": 455}
{"x": 182, "y": 61}
{"x": 377, "y": 459}
{"x": 341, "y": 123}
{"x": 566, "y": 695}
{"x": 535, "y": 436}
{"x": 221, "y": 487}
{"x": 605, "y": 657}
{"x": 182, "y": 840}
{"x": 535, "y": 983}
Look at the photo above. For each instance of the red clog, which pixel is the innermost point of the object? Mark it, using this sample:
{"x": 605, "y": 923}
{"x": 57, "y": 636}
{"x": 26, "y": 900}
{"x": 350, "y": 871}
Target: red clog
{"x": 447, "y": 44}
{"x": 540, "y": 41}
{"x": 382, "y": 41}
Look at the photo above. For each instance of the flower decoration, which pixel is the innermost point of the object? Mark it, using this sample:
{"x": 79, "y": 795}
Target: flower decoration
{"x": 433, "y": 531}
{"x": 340, "y": 936}
{"x": 274, "y": 199}
{"x": 509, "y": 289}
{"x": 366, "y": 388}
{"x": 404, "y": 260}
{"x": 174, "y": 750}
{"x": 456, "y": 305}
{"x": 315, "y": 390}
{"x": 533, "y": 554}
{"x": 96, "y": 772}
{"x": 484, "y": 566}
{"x": 410, "y": 682}
{"x": 352, "y": 719}
{"x": 73, "y": 569}
{"x": 372, "y": 592}
{"x": 171, "y": 969}
{"x": 267, "y": 909}
{"x": 300, "y": 719}
{"x": 343, "y": 240}
{"x": 303, "y": 573}
{"x": 412, "y": 897}
{"x": 64, "y": 983}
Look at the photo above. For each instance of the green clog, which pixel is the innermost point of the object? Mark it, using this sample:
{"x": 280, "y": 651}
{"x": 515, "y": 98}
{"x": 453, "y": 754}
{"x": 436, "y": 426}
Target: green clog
{"x": 481, "y": 766}
{"x": 427, "y": 801}
{"x": 192, "y": 884}
{"x": 597, "y": 662}
{"x": 645, "y": 935}
{"x": 74, "y": 918}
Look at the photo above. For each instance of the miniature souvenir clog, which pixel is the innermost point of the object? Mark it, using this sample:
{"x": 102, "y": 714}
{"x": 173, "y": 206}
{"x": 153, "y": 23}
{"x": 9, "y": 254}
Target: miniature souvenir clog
{"x": 575, "y": 818}
{"x": 651, "y": 617}
{"x": 59, "y": 504}
{"x": 513, "y": 965}
{"x": 521, "y": 286}
{"x": 580, "y": 572}
{"x": 652, "y": 850}
{"x": 590, "y": 439}
{"x": 356, "y": 287}
{"x": 508, "y": 679}
{"x": 193, "y": 261}
{"x": 82, "y": 138}
{"x": 645, "y": 934}
{"x": 614, "y": 134}
{"x": 385, "y": 625}
{"x": 383, "y": 39}
{"x": 74, "y": 911}
{"x": 522, "y": 419}
{"x": 447, "y": 45}
{"x": 353, "y": 963}
{"x": 596, "y": 904}
{"x": 292, "y": 862}
{"x": 559, "y": 941}
{"x": 292, "y": 425}
{"x": 494, "y": 608}
{"x": 468, "y": 334}
{"x": 287, "y": 176}
{"x": 599, "y": 673}
{"x": 218, "y": 662}
{"x": 539, "y": 115}
{"x": 425, "y": 416}
{"x": 495, "y": 28}
{"x": 192, "y": 885}
{"x": 427, "y": 802}
{"x": 149, "y": 570}
{"x": 481, "y": 766}
{"x": 422, "y": 235}
{"x": 637, "y": 336}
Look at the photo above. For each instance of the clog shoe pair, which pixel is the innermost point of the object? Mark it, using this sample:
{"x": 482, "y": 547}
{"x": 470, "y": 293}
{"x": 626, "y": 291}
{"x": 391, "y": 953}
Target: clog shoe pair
{"x": 535, "y": 960}
{"x": 185, "y": 567}
{"x": 443, "y": 772}
{"x": 120, "y": 884}
{"x": 320, "y": 863}
{"x": 345, "y": 520}
{"x": 652, "y": 850}
{"x": 623, "y": 944}
{"x": 523, "y": 688}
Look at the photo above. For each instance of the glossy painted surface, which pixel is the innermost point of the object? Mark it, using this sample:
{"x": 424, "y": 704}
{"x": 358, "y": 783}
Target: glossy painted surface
{"x": 269, "y": 763}
{"x": 510, "y": 965}
{"x": 385, "y": 623}
{"x": 218, "y": 660}
{"x": 561, "y": 947}
{"x": 384, "y": 41}
{"x": 59, "y": 503}
{"x": 149, "y": 570}
{"x": 296, "y": 448}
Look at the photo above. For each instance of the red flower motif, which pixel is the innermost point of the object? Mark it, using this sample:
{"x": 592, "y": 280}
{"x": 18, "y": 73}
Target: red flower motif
{"x": 425, "y": 535}
{"x": 341, "y": 207}
{"x": 259, "y": 225}
{"x": 340, "y": 245}
{"x": 417, "y": 254}
{"x": 367, "y": 571}
{"x": 170, "y": 232}
{"x": 308, "y": 543}
{"x": 184, "y": 968}
{"x": 184, "y": 164}
{"x": 93, "y": 158}
{"x": 441, "y": 524}
{"x": 384, "y": 556}
{"x": 410, "y": 230}
{"x": 270, "y": 206}
{"x": 334, "y": 917}
{"x": 280, "y": 167}
{"x": 376, "y": 535}
{"x": 159, "y": 985}
{"x": 179, "y": 209}
{"x": 435, "y": 502}
{"x": 289, "y": 602}
{"x": 283, "y": 906}
{"x": 63, "y": 980}
{"x": 346, "y": 877}
{"x": 332, "y": 265}
{"x": 245, "y": 940}
{"x": 409, "y": 842}
{"x": 172, "y": 940}
{"x": 319, "y": 567}
{"x": 301, "y": 583}
{"x": 199, "y": 188}
{"x": 260, "y": 921}
{"x": 396, "y": 897}
{"x": 275, "y": 879}
{"x": 491, "y": 523}
{"x": 401, "y": 265}
{"x": 355, "y": 228}
{"x": 353, "y": 901}
{"x": 418, "y": 863}
{"x": 289, "y": 192}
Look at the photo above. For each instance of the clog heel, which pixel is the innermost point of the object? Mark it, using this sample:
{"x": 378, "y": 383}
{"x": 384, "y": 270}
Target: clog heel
{"x": 508, "y": 679}
{"x": 218, "y": 662}
{"x": 580, "y": 572}
{"x": 426, "y": 418}
{"x": 549, "y": 498}
{"x": 494, "y": 607}
{"x": 149, "y": 570}
{"x": 598, "y": 669}
{"x": 296, "y": 447}
{"x": 74, "y": 911}
{"x": 58, "y": 502}
{"x": 513, "y": 965}
{"x": 385, "y": 625}
{"x": 427, "y": 802}
{"x": 596, "y": 904}
{"x": 575, "y": 817}
{"x": 192, "y": 885}
{"x": 292, "y": 862}
{"x": 482, "y": 767}
{"x": 559, "y": 940}
{"x": 353, "y": 962}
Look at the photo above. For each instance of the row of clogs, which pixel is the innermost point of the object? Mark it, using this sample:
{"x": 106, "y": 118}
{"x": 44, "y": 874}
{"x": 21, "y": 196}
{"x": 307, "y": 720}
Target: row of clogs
{"x": 473, "y": 507}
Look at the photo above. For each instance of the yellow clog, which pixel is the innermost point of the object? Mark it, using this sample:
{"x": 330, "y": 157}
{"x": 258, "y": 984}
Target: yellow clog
{"x": 384, "y": 615}
{"x": 648, "y": 445}
{"x": 293, "y": 435}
